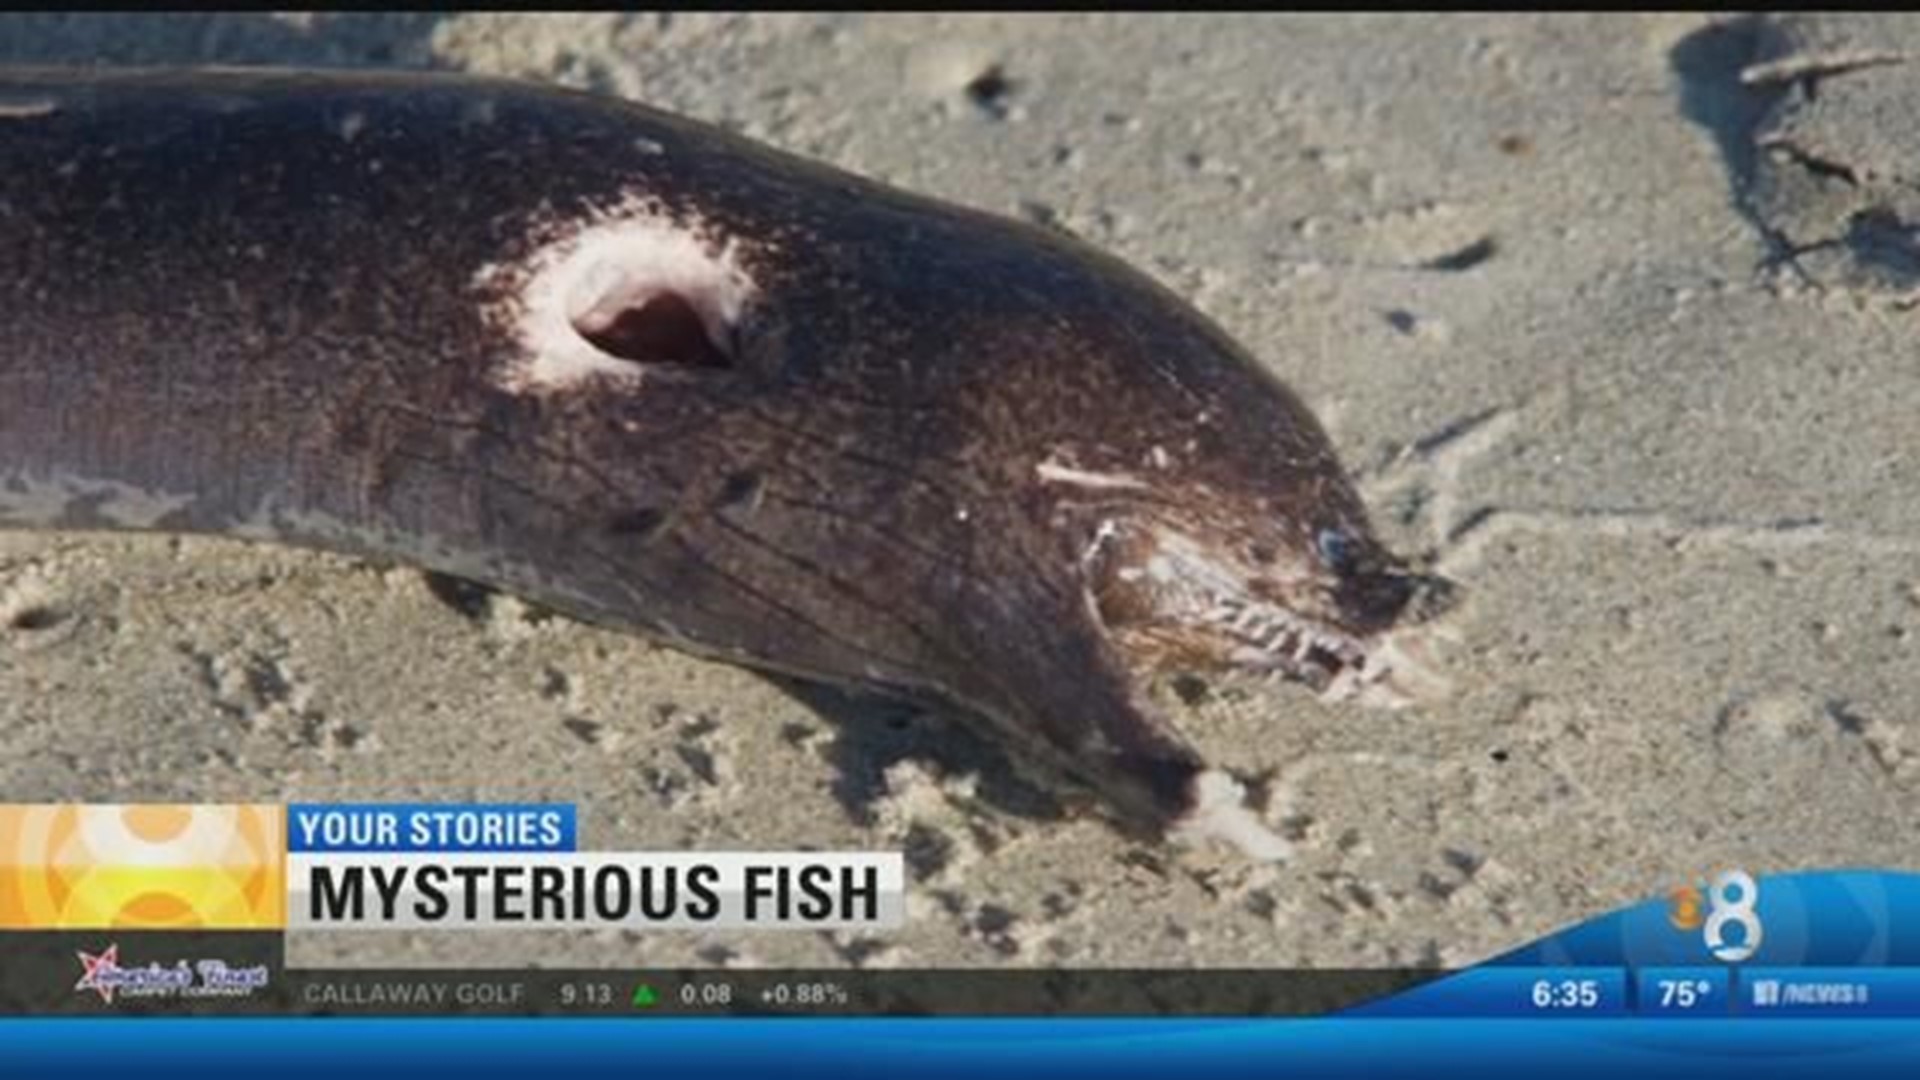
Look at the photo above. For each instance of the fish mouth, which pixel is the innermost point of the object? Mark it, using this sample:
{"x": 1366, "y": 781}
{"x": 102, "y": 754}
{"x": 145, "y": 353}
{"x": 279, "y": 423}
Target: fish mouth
{"x": 1389, "y": 668}
{"x": 1276, "y": 644}
{"x": 1179, "y": 604}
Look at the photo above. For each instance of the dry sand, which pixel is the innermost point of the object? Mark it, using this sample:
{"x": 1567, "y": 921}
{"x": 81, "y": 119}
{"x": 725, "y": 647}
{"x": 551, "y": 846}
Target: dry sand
{"x": 1535, "y": 272}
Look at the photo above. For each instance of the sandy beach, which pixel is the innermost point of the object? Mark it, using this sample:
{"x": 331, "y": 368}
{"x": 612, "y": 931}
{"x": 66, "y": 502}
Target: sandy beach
{"x": 1611, "y": 315}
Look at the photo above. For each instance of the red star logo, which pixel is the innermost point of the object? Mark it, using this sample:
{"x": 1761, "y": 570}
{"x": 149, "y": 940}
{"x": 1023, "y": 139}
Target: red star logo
{"x": 108, "y": 961}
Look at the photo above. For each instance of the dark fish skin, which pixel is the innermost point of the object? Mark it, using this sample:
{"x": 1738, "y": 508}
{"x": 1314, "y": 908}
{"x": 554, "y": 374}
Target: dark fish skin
{"x": 257, "y": 303}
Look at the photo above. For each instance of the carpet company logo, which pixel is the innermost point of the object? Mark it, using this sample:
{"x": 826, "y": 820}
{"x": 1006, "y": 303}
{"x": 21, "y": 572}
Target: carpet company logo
{"x": 159, "y": 867}
{"x": 101, "y": 973}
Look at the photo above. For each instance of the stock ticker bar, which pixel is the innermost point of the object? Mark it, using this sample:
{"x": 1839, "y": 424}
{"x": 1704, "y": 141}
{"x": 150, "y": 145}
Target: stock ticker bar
{"x": 243, "y": 973}
{"x": 201, "y": 973}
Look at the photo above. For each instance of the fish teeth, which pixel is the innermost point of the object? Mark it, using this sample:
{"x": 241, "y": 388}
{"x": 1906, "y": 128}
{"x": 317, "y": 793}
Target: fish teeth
{"x": 1274, "y": 640}
{"x": 1252, "y": 659}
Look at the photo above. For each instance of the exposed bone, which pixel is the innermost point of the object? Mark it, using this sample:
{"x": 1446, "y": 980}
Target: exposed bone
{"x": 1220, "y": 813}
{"x": 1053, "y": 472}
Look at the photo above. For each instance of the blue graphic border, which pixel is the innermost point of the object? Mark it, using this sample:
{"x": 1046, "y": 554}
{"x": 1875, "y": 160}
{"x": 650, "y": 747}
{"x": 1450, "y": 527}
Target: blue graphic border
{"x": 925, "y": 1048}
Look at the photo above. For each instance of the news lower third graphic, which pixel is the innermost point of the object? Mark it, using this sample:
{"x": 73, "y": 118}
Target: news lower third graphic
{"x": 392, "y": 867}
{"x": 478, "y": 867}
{"x": 188, "y": 909}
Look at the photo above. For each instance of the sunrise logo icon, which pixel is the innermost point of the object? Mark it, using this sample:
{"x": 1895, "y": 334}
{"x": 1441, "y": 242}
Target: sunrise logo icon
{"x": 154, "y": 867}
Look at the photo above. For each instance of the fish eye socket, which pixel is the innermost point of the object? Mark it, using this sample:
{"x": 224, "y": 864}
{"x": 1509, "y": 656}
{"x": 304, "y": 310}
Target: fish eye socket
{"x": 1335, "y": 548}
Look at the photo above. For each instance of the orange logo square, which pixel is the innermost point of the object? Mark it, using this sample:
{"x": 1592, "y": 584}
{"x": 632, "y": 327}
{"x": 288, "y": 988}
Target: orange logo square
{"x": 153, "y": 867}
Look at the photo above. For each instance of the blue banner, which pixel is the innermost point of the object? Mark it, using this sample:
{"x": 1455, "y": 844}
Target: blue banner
{"x": 927, "y": 1049}
{"x": 427, "y": 827}
{"x": 1835, "y": 945}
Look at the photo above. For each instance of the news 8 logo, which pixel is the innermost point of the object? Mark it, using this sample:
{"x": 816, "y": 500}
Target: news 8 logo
{"x": 1730, "y": 902}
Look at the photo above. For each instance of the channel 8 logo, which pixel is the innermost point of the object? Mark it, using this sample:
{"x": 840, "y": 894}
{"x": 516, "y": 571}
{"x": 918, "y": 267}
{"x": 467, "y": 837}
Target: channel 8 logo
{"x": 1728, "y": 905}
